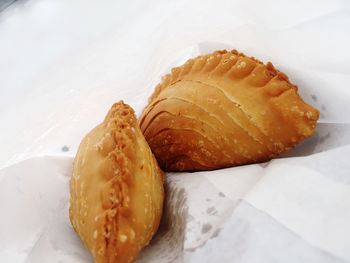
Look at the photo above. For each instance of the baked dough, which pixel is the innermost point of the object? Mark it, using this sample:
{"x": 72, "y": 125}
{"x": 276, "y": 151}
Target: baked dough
{"x": 224, "y": 109}
{"x": 116, "y": 189}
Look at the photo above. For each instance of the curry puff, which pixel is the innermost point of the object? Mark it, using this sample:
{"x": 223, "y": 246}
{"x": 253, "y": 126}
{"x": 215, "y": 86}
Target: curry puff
{"x": 116, "y": 189}
{"x": 224, "y": 109}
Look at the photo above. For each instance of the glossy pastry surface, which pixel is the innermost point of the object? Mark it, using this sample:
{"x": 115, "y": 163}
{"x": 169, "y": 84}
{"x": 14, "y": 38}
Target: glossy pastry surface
{"x": 116, "y": 189}
{"x": 224, "y": 109}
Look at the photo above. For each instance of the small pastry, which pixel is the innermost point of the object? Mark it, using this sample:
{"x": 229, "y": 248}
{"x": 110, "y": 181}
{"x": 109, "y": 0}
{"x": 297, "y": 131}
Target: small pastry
{"x": 116, "y": 189}
{"x": 224, "y": 109}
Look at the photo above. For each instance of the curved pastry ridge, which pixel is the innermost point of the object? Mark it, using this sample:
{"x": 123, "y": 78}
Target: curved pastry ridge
{"x": 249, "y": 110}
{"x": 217, "y": 100}
{"x": 212, "y": 62}
{"x": 116, "y": 189}
{"x": 199, "y": 63}
{"x": 228, "y": 60}
{"x": 260, "y": 76}
{"x": 242, "y": 68}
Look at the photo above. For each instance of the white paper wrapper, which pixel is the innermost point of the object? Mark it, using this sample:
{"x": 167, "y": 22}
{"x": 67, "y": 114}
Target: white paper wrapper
{"x": 292, "y": 209}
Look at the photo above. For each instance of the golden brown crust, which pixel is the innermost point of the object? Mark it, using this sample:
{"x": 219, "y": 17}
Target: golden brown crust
{"x": 116, "y": 189}
{"x": 224, "y": 109}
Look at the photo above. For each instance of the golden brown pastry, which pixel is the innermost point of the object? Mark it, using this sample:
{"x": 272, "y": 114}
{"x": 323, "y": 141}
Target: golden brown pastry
{"x": 116, "y": 189}
{"x": 224, "y": 109}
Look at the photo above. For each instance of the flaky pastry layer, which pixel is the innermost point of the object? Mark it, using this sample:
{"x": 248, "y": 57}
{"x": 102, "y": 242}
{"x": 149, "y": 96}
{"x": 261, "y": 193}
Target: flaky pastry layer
{"x": 224, "y": 109}
{"x": 116, "y": 189}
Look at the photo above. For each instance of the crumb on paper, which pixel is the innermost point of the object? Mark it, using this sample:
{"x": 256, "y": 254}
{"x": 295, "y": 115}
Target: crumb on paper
{"x": 65, "y": 148}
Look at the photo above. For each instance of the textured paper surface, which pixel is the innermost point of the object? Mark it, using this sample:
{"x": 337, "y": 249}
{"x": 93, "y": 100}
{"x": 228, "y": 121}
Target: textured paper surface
{"x": 292, "y": 209}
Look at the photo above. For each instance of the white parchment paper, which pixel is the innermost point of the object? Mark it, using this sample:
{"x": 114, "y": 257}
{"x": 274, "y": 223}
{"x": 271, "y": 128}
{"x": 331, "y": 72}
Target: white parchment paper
{"x": 292, "y": 209}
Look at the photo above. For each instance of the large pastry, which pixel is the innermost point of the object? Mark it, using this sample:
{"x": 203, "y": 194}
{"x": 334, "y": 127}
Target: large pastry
{"x": 224, "y": 109}
{"x": 116, "y": 189}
